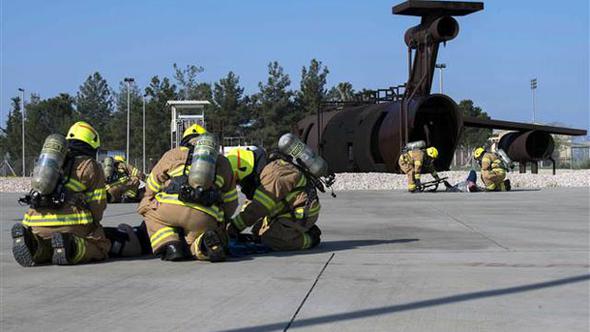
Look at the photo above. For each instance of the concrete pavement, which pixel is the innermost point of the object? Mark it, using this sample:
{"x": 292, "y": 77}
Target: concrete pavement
{"x": 389, "y": 261}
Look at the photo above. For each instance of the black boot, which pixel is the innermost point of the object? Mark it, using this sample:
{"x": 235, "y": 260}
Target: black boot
{"x": 213, "y": 247}
{"x": 314, "y": 233}
{"x": 64, "y": 248}
{"x": 507, "y": 185}
{"x": 173, "y": 251}
{"x": 23, "y": 245}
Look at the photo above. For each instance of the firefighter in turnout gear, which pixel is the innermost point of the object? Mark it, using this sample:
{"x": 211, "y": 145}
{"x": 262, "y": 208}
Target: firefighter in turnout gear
{"x": 283, "y": 207}
{"x": 67, "y": 203}
{"x": 181, "y": 216}
{"x": 123, "y": 183}
{"x": 493, "y": 170}
{"x": 416, "y": 162}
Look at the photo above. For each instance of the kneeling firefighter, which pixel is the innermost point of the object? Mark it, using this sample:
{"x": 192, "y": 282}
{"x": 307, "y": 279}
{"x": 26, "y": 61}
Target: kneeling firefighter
{"x": 188, "y": 193}
{"x": 416, "y": 161}
{"x": 284, "y": 204}
{"x": 123, "y": 180}
{"x": 66, "y": 202}
{"x": 493, "y": 169}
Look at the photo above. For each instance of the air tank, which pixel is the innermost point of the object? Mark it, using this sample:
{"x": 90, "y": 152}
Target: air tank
{"x": 108, "y": 166}
{"x": 415, "y": 145}
{"x": 505, "y": 159}
{"x": 291, "y": 145}
{"x": 202, "y": 172}
{"x": 48, "y": 167}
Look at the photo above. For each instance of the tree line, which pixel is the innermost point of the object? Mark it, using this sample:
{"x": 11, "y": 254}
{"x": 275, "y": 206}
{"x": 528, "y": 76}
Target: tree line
{"x": 259, "y": 118}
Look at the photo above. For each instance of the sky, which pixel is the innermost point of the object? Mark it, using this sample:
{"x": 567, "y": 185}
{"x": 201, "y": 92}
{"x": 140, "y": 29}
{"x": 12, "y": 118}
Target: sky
{"x": 48, "y": 47}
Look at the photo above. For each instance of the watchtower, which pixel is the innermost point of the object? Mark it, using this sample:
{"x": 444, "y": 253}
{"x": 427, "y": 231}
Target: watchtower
{"x": 185, "y": 113}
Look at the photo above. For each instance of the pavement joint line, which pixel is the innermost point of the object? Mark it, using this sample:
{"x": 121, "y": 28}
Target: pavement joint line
{"x": 308, "y": 293}
{"x": 473, "y": 229}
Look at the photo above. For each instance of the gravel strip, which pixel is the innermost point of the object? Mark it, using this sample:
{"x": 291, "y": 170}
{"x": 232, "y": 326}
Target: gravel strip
{"x": 386, "y": 181}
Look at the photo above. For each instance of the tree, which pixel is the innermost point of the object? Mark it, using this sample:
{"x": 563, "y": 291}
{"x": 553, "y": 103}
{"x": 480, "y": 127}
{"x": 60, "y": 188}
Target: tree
{"x": 158, "y": 117}
{"x": 230, "y": 106}
{"x": 115, "y": 138}
{"x": 313, "y": 88}
{"x": 343, "y": 91}
{"x": 273, "y": 108}
{"x": 10, "y": 135}
{"x": 189, "y": 87}
{"x": 94, "y": 102}
{"x": 44, "y": 117}
{"x": 473, "y": 137}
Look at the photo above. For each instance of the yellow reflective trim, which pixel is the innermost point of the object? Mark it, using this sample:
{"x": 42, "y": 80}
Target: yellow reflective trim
{"x": 75, "y": 185}
{"x": 96, "y": 195}
{"x": 177, "y": 171}
{"x": 239, "y": 222}
{"x": 306, "y": 241}
{"x": 264, "y": 199}
{"x": 213, "y": 211}
{"x": 219, "y": 181}
{"x": 53, "y": 219}
{"x": 162, "y": 234}
{"x": 302, "y": 181}
{"x": 230, "y": 196}
{"x": 130, "y": 193}
{"x": 153, "y": 183}
{"x": 300, "y": 211}
{"x": 417, "y": 176}
{"x": 80, "y": 250}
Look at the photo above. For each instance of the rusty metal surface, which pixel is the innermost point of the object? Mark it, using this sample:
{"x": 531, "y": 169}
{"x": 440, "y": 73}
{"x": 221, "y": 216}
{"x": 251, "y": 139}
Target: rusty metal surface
{"x": 527, "y": 146}
{"x": 423, "y": 8}
{"x": 369, "y": 137}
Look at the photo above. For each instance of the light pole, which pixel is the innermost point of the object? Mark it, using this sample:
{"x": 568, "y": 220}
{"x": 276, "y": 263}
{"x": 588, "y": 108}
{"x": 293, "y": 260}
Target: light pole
{"x": 22, "y": 110}
{"x": 145, "y": 95}
{"x": 440, "y": 67}
{"x": 533, "y": 88}
{"x": 128, "y": 80}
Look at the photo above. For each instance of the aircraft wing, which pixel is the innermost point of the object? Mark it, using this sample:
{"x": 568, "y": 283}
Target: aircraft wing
{"x": 519, "y": 126}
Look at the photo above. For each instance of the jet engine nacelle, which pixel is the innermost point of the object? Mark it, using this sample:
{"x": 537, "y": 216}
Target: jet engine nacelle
{"x": 527, "y": 146}
{"x": 368, "y": 138}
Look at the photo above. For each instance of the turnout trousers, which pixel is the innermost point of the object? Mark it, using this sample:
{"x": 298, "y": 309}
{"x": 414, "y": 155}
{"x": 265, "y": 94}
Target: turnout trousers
{"x": 90, "y": 241}
{"x": 164, "y": 222}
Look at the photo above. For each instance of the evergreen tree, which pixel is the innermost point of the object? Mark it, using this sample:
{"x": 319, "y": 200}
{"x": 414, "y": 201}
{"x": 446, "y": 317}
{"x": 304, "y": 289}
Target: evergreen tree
{"x": 473, "y": 137}
{"x": 94, "y": 102}
{"x": 230, "y": 106}
{"x": 158, "y": 118}
{"x": 10, "y": 136}
{"x": 343, "y": 91}
{"x": 313, "y": 88}
{"x": 273, "y": 107}
{"x": 115, "y": 137}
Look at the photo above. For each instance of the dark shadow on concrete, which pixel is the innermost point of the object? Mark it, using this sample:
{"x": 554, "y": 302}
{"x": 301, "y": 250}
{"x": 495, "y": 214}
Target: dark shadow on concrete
{"x": 331, "y": 246}
{"x": 412, "y": 305}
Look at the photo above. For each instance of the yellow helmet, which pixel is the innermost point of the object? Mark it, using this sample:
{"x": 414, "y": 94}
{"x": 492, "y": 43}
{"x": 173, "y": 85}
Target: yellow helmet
{"x": 119, "y": 158}
{"x": 242, "y": 162}
{"x": 84, "y": 132}
{"x": 193, "y": 130}
{"x": 432, "y": 152}
{"x": 247, "y": 160}
{"x": 477, "y": 152}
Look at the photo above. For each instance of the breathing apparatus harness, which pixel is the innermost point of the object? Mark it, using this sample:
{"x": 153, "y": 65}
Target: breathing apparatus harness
{"x": 179, "y": 185}
{"x": 312, "y": 185}
{"x": 57, "y": 198}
